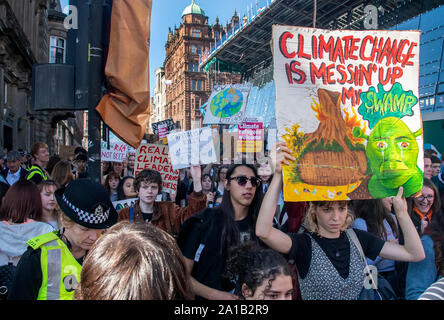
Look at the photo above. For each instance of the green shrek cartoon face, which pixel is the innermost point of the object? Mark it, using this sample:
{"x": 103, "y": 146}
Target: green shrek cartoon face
{"x": 392, "y": 153}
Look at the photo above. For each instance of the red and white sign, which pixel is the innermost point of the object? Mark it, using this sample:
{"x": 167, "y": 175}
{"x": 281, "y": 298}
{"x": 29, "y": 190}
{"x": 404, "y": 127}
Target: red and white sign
{"x": 155, "y": 157}
{"x": 117, "y": 153}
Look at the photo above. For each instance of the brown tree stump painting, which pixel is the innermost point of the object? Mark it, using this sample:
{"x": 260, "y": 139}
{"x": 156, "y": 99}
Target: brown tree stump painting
{"x": 329, "y": 157}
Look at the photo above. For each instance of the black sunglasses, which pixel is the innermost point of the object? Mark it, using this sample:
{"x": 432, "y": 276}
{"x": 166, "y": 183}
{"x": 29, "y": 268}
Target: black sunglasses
{"x": 242, "y": 181}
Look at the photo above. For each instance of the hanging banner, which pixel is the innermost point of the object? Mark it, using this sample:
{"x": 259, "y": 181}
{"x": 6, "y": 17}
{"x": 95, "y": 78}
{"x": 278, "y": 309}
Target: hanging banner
{"x": 347, "y": 105}
{"x": 250, "y": 136}
{"x": 155, "y": 157}
{"x": 192, "y": 147}
{"x": 227, "y": 104}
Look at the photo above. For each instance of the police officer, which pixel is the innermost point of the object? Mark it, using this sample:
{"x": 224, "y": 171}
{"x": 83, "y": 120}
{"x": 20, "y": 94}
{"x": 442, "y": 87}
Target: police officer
{"x": 50, "y": 268}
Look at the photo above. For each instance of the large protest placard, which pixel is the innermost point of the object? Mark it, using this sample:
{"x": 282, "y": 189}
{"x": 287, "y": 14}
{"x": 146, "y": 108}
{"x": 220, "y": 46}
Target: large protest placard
{"x": 347, "y": 105}
{"x": 227, "y": 104}
{"x": 250, "y": 136}
{"x": 155, "y": 157}
{"x": 191, "y": 147}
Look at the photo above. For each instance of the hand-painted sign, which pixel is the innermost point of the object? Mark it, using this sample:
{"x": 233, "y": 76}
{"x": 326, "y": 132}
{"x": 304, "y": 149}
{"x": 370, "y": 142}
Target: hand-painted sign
{"x": 347, "y": 105}
{"x": 227, "y": 104}
{"x": 155, "y": 157}
{"x": 116, "y": 153}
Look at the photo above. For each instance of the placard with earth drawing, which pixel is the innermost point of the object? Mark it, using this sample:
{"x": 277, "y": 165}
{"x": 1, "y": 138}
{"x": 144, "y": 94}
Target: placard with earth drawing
{"x": 347, "y": 105}
{"x": 227, "y": 104}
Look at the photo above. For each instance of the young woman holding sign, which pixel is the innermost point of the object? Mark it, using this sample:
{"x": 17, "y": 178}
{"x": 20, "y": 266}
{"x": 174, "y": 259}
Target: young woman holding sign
{"x": 164, "y": 214}
{"x": 328, "y": 262}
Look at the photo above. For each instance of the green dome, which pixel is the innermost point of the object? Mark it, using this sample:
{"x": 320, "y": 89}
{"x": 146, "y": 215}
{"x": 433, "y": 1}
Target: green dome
{"x": 193, "y": 8}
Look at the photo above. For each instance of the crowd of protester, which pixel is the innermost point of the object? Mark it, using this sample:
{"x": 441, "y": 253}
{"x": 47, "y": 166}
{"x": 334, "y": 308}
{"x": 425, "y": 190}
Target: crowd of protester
{"x": 225, "y": 234}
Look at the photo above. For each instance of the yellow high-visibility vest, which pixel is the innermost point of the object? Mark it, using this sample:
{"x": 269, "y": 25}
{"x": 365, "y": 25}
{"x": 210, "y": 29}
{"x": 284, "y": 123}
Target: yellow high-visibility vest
{"x": 36, "y": 170}
{"x": 60, "y": 270}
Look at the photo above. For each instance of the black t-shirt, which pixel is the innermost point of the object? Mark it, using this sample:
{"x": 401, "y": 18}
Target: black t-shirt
{"x": 147, "y": 216}
{"x": 337, "y": 250}
{"x": 192, "y": 243}
{"x": 244, "y": 229}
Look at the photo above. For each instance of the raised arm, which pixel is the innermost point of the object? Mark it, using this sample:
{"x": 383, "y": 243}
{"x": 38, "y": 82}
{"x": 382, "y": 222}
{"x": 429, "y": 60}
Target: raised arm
{"x": 271, "y": 236}
{"x": 412, "y": 250}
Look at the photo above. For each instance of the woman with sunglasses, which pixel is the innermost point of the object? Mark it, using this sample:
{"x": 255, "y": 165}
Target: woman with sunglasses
{"x": 205, "y": 238}
{"x": 328, "y": 262}
{"x": 420, "y": 275}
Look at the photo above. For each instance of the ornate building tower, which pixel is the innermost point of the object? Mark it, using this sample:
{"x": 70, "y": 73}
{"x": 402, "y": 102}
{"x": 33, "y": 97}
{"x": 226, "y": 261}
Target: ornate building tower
{"x": 187, "y": 86}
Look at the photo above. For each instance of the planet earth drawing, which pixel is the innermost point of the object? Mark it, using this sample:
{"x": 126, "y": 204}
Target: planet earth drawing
{"x": 226, "y": 103}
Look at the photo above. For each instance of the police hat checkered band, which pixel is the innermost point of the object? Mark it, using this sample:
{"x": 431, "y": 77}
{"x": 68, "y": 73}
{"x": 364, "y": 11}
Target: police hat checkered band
{"x": 99, "y": 216}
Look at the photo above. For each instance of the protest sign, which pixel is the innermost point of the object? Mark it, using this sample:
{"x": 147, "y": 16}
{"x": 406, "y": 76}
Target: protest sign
{"x": 162, "y": 128}
{"x": 192, "y": 147}
{"x": 227, "y": 104}
{"x": 347, "y": 105}
{"x": 250, "y": 137}
{"x": 66, "y": 152}
{"x": 155, "y": 157}
{"x": 116, "y": 153}
{"x": 124, "y": 203}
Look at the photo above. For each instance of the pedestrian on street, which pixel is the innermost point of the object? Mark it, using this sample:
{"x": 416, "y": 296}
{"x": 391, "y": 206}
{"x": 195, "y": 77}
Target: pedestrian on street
{"x": 328, "y": 261}
{"x": 50, "y": 213}
{"x": 20, "y": 220}
{"x": 206, "y": 238}
{"x": 14, "y": 172}
{"x": 40, "y": 154}
{"x": 261, "y": 273}
{"x": 166, "y": 215}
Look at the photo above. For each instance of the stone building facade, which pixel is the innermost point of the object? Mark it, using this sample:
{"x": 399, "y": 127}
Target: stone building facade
{"x": 188, "y": 87}
{"x": 158, "y": 101}
{"x": 26, "y": 30}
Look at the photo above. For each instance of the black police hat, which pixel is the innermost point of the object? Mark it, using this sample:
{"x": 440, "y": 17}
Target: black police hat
{"x": 87, "y": 203}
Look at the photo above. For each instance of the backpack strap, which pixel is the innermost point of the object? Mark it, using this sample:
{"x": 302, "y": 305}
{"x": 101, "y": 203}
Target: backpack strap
{"x": 131, "y": 214}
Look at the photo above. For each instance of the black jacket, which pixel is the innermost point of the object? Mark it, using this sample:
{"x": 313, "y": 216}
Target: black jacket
{"x": 23, "y": 173}
{"x": 210, "y": 267}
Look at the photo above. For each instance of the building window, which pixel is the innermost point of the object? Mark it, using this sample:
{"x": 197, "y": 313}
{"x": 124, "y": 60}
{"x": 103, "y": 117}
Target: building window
{"x": 194, "y": 66}
{"x": 57, "y": 50}
{"x": 193, "y": 49}
{"x": 197, "y": 85}
{"x": 196, "y": 33}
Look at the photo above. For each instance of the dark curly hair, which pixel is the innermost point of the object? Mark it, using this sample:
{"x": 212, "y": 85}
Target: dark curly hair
{"x": 251, "y": 264}
{"x": 148, "y": 176}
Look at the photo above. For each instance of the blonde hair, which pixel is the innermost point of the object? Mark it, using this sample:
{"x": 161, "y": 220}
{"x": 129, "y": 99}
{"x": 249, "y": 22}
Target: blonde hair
{"x": 65, "y": 221}
{"x": 311, "y": 221}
